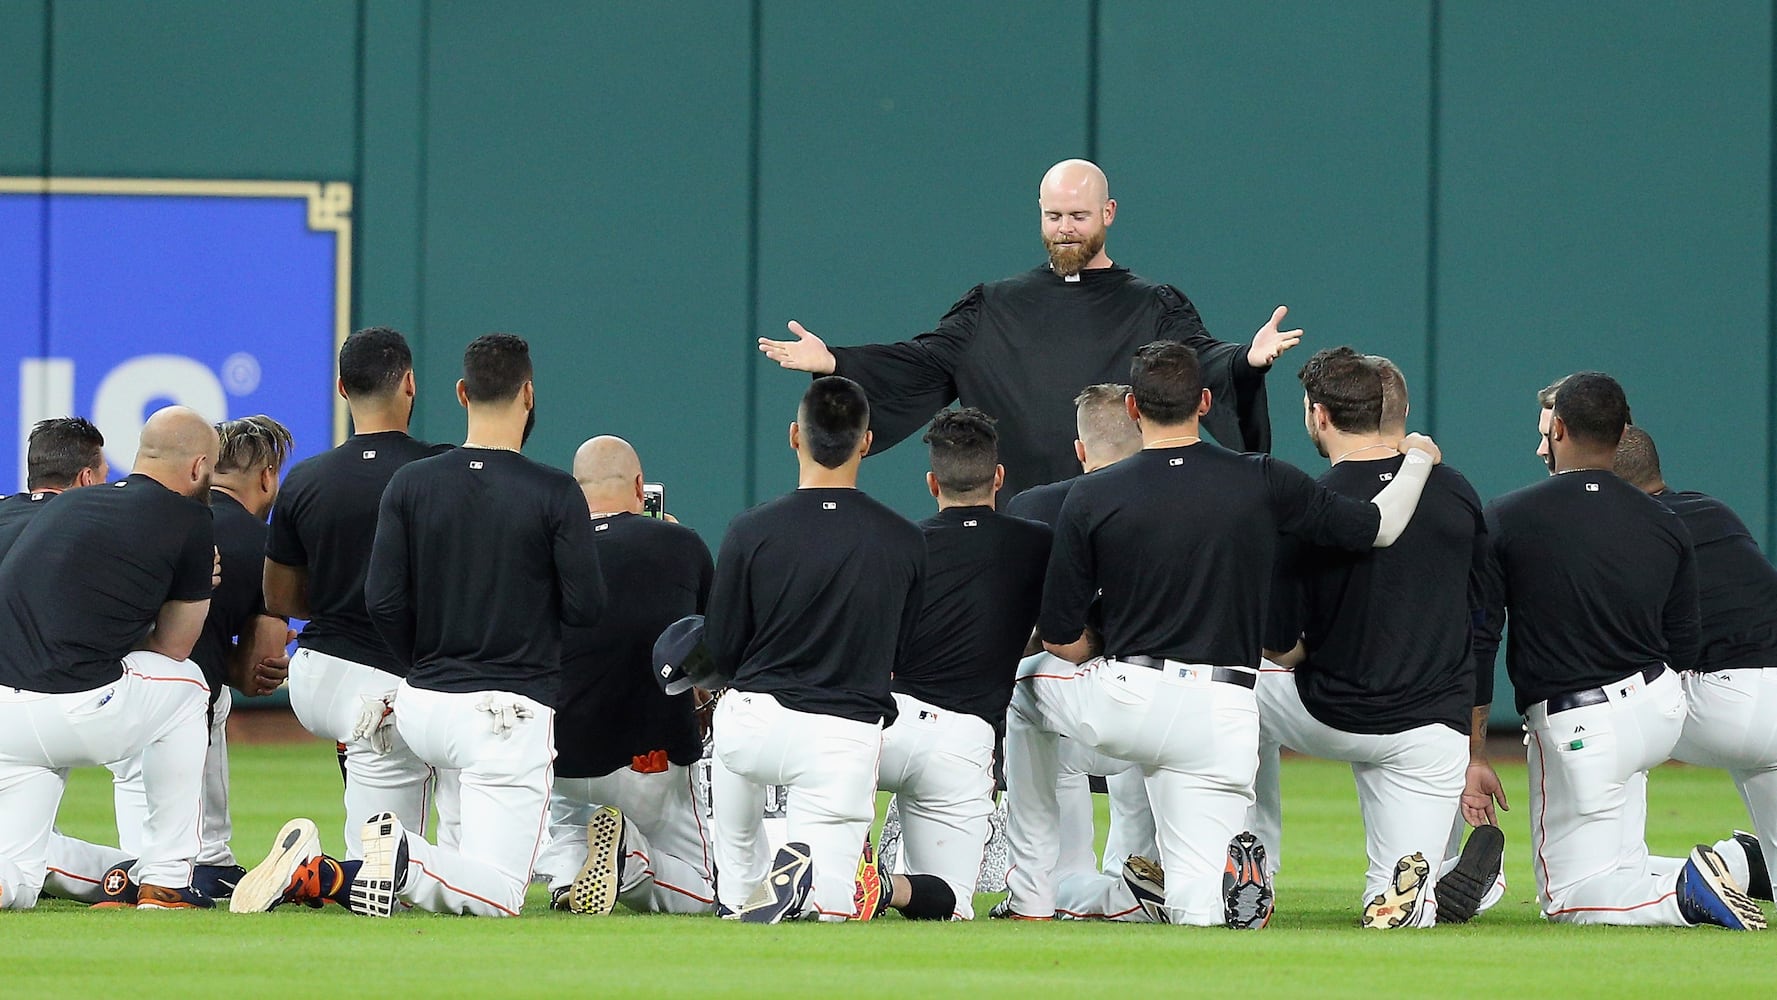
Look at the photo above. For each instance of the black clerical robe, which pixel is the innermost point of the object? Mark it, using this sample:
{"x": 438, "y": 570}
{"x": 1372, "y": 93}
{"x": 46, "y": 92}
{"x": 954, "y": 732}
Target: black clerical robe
{"x": 1022, "y": 348}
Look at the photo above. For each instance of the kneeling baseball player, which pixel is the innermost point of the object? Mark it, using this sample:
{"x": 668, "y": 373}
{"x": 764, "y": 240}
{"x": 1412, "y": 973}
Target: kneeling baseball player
{"x": 984, "y": 579}
{"x": 815, "y": 595}
{"x": 1384, "y": 677}
{"x": 624, "y": 824}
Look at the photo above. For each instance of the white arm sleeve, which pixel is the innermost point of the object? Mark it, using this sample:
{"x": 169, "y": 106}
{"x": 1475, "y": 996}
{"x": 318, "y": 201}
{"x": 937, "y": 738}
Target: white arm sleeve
{"x": 1400, "y": 498}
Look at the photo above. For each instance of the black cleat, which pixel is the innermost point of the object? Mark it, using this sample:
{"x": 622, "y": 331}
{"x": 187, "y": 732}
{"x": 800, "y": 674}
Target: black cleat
{"x": 1758, "y": 879}
{"x": 1460, "y": 892}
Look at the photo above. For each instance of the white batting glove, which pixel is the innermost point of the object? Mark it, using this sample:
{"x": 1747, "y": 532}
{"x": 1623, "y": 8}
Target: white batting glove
{"x": 376, "y": 723}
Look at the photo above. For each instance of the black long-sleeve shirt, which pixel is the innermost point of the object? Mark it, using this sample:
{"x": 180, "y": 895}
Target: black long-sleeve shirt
{"x": 816, "y": 596}
{"x": 611, "y": 710}
{"x": 86, "y": 579}
{"x": 16, "y": 511}
{"x": 324, "y": 521}
{"x": 1182, "y": 543}
{"x": 239, "y": 599}
{"x": 1041, "y": 503}
{"x": 1022, "y": 348}
{"x": 1736, "y": 585}
{"x": 481, "y": 556}
{"x": 983, "y": 588}
{"x": 1598, "y": 578}
{"x": 1388, "y": 631}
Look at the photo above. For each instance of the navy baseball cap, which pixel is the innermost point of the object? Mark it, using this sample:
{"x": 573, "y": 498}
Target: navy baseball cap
{"x": 681, "y": 661}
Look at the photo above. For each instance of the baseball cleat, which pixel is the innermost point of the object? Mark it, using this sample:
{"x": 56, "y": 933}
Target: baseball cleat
{"x": 784, "y": 890}
{"x": 266, "y": 885}
{"x": 1707, "y": 894}
{"x": 1463, "y": 890}
{"x": 595, "y": 888}
{"x": 1400, "y": 904}
{"x": 159, "y": 897}
{"x": 1002, "y": 910}
{"x": 870, "y": 897}
{"x": 1758, "y": 880}
{"x": 120, "y": 892}
{"x": 1147, "y": 883}
{"x": 1246, "y": 888}
{"x": 217, "y": 881}
{"x": 558, "y": 897}
{"x": 996, "y": 856}
{"x": 384, "y": 871}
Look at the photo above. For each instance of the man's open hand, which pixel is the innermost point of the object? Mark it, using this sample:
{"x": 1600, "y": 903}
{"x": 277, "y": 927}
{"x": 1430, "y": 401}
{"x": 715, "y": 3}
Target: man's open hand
{"x": 807, "y": 353}
{"x": 1270, "y": 342}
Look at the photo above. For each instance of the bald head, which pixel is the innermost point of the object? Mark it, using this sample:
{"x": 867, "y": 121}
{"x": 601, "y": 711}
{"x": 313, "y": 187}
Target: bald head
{"x": 1080, "y": 178}
{"x": 610, "y": 474}
{"x": 178, "y": 449}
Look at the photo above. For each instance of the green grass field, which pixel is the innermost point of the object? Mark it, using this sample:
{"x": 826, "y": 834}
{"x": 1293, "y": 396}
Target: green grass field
{"x": 1313, "y": 947}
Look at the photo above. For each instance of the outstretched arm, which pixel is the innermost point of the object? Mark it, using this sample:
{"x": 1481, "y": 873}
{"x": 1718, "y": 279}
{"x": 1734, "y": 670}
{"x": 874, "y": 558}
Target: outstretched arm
{"x": 906, "y": 382}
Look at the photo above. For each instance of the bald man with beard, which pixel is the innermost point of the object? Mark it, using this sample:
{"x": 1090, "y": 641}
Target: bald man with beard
{"x": 101, "y": 600}
{"x": 1020, "y": 347}
{"x": 624, "y": 824}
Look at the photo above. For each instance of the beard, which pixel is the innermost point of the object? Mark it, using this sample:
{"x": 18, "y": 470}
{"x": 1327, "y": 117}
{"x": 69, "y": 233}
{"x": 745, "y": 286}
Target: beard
{"x": 1067, "y": 261}
{"x": 203, "y": 489}
{"x": 1319, "y": 444}
{"x": 530, "y": 424}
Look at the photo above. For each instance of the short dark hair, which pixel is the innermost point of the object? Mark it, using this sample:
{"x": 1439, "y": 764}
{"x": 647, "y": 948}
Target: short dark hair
{"x": 965, "y": 449}
{"x": 1166, "y": 382}
{"x": 1638, "y": 461}
{"x": 1593, "y": 407}
{"x": 373, "y": 360}
{"x": 252, "y": 443}
{"x": 833, "y": 415}
{"x": 58, "y": 449}
{"x": 495, "y": 367}
{"x": 1348, "y": 385}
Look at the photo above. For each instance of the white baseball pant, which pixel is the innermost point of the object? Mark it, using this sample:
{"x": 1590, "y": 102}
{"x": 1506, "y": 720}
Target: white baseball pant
{"x": 667, "y": 865}
{"x": 1728, "y": 725}
{"x": 215, "y": 827}
{"x": 1588, "y": 805}
{"x": 1409, "y": 784}
{"x": 939, "y": 763}
{"x": 1195, "y": 739}
{"x": 829, "y": 766}
{"x": 77, "y": 869}
{"x": 504, "y": 745}
{"x": 329, "y": 696}
{"x": 155, "y": 709}
{"x": 1085, "y": 889}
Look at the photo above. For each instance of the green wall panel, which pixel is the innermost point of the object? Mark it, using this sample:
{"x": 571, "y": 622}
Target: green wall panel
{"x": 1605, "y": 205}
{"x": 1266, "y": 154}
{"x": 586, "y": 188}
{"x": 900, "y": 153}
{"x": 391, "y": 169}
{"x": 21, "y": 86}
{"x": 205, "y": 88}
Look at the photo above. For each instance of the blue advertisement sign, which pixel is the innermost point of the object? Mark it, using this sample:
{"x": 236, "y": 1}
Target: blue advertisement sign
{"x": 120, "y": 297}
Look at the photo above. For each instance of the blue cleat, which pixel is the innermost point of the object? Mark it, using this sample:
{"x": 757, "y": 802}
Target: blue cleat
{"x": 1707, "y": 894}
{"x": 784, "y": 890}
